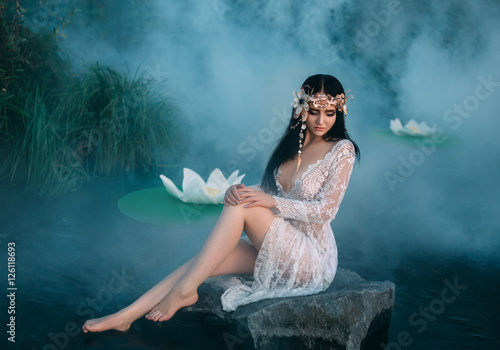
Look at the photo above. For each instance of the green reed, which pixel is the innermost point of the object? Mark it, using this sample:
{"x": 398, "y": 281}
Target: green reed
{"x": 58, "y": 131}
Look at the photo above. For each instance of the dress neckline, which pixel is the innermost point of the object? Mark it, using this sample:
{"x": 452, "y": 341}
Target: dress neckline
{"x": 299, "y": 179}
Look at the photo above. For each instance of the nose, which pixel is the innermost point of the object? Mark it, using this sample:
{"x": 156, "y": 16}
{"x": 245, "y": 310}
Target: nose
{"x": 319, "y": 122}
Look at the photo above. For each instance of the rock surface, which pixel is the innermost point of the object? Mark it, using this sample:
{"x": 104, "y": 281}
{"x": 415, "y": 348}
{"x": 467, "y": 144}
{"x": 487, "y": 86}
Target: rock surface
{"x": 339, "y": 318}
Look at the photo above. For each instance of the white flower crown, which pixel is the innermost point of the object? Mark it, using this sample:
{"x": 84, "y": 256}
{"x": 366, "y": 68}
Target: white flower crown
{"x": 301, "y": 102}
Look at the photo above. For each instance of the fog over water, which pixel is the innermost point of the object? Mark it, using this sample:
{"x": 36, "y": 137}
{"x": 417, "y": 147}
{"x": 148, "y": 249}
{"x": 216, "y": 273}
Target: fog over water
{"x": 232, "y": 66}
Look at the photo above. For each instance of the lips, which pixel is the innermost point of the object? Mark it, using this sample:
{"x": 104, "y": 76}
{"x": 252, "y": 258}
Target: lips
{"x": 320, "y": 129}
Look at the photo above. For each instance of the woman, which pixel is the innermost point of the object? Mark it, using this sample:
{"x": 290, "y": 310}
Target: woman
{"x": 290, "y": 249}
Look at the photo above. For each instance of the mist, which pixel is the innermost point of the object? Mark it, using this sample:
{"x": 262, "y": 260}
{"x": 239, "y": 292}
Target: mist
{"x": 232, "y": 66}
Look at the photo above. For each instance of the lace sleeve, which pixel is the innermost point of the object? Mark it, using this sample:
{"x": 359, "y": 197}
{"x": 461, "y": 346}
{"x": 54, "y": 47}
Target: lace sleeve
{"x": 326, "y": 203}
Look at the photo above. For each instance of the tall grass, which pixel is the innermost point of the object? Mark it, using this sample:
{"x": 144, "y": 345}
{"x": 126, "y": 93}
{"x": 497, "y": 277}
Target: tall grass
{"x": 35, "y": 146}
{"x": 120, "y": 123}
{"x": 58, "y": 131}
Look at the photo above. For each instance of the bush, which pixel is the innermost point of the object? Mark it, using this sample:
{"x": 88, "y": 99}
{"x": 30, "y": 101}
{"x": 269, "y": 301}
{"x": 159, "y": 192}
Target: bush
{"x": 58, "y": 130}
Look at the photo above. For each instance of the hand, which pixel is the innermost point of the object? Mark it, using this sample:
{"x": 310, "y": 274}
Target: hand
{"x": 232, "y": 197}
{"x": 252, "y": 197}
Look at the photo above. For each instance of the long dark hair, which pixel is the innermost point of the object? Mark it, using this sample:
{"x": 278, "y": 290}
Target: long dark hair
{"x": 288, "y": 145}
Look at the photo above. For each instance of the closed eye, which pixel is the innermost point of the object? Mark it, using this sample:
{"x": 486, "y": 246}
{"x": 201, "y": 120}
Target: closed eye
{"x": 314, "y": 112}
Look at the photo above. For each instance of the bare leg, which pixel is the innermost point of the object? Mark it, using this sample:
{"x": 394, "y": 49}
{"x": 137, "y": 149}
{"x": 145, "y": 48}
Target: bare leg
{"x": 222, "y": 240}
{"x": 240, "y": 260}
{"x": 122, "y": 319}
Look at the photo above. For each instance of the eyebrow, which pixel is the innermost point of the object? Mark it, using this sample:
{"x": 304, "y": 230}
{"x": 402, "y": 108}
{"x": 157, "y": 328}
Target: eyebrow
{"x": 328, "y": 110}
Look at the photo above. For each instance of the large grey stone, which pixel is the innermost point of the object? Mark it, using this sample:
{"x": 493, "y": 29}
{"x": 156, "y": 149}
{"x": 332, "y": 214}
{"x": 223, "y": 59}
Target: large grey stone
{"x": 338, "y": 318}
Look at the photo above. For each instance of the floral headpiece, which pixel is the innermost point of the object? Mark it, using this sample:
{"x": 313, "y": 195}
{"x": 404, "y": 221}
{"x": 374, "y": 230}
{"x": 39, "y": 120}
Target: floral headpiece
{"x": 301, "y": 104}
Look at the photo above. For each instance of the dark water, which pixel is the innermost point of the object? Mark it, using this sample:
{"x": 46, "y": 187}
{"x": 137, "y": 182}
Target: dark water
{"x": 77, "y": 256}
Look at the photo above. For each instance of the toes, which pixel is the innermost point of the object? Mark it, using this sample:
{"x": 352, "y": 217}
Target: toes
{"x": 153, "y": 315}
{"x": 85, "y": 327}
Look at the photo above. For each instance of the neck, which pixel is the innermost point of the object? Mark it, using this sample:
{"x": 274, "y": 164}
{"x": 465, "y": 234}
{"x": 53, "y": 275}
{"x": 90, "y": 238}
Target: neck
{"x": 310, "y": 139}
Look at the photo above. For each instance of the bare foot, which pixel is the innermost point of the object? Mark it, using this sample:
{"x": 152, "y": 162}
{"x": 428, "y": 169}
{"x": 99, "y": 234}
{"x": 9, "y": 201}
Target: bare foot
{"x": 113, "y": 321}
{"x": 172, "y": 302}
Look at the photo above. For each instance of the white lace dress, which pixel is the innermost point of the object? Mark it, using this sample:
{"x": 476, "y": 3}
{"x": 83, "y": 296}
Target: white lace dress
{"x": 299, "y": 254}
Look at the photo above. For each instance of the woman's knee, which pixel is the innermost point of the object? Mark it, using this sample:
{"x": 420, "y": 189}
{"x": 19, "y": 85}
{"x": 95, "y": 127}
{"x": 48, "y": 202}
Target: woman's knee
{"x": 250, "y": 212}
{"x": 237, "y": 207}
{"x": 258, "y": 211}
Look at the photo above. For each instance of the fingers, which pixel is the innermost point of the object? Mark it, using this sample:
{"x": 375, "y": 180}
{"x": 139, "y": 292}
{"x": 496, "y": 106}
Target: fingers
{"x": 248, "y": 199}
{"x": 235, "y": 193}
{"x": 238, "y": 194}
{"x": 247, "y": 189}
{"x": 232, "y": 197}
{"x": 251, "y": 204}
{"x": 230, "y": 200}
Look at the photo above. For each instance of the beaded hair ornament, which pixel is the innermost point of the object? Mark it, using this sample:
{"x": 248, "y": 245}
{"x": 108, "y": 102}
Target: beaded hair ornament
{"x": 301, "y": 104}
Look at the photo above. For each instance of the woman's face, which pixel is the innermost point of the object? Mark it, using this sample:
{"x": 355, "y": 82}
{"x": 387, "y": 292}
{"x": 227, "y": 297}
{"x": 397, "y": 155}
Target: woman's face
{"x": 322, "y": 117}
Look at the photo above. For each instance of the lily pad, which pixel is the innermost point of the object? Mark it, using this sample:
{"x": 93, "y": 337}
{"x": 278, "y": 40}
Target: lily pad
{"x": 388, "y": 135}
{"x": 157, "y": 206}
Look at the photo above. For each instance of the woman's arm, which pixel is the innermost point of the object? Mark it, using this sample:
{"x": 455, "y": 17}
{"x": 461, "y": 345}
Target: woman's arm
{"x": 325, "y": 206}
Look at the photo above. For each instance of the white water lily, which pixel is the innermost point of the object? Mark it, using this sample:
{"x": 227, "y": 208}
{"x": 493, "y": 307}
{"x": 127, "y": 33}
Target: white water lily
{"x": 412, "y": 128}
{"x": 195, "y": 190}
{"x": 300, "y": 102}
